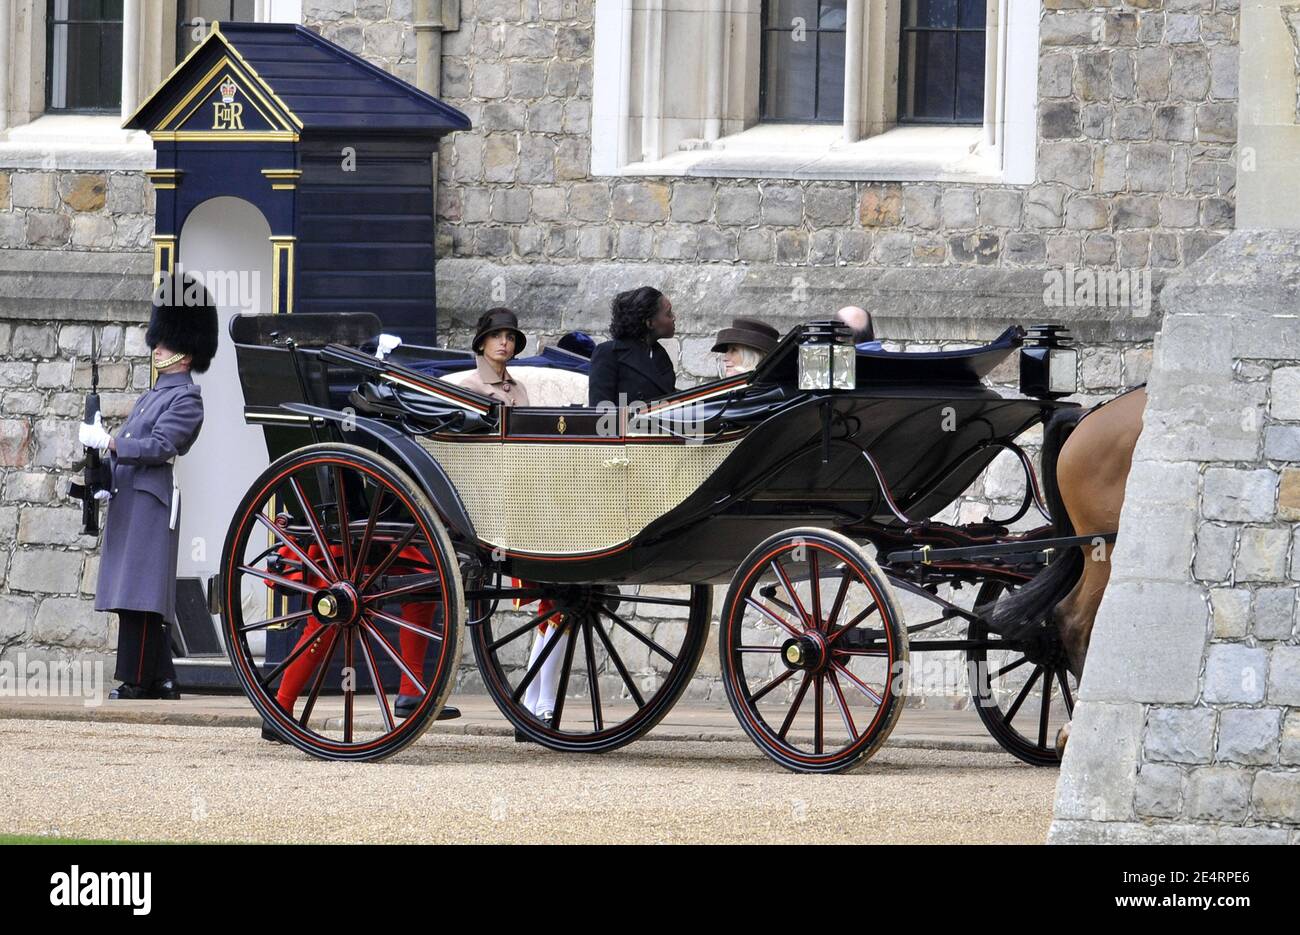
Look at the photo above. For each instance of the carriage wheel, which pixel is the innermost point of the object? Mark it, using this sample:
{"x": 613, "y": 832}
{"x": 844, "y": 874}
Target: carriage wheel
{"x": 813, "y": 651}
{"x": 382, "y": 603}
{"x": 1007, "y": 685}
{"x": 616, "y": 660}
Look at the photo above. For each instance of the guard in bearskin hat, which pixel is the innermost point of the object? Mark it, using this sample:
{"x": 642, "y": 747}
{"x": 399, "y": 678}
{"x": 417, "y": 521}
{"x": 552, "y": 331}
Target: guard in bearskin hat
{"x": 137, "y": 568}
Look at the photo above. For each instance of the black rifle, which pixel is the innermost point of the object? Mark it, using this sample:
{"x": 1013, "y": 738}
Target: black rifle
{"x": 96, "y": 470}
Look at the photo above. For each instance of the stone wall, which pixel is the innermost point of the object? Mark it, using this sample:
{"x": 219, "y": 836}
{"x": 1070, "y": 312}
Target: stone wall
{"x": 1187, "y": 726}
{"x": 379, "y": 30}
{"x": 44, "y": 210}
{"x": 48, "y": 568}
{"x": 1137, "y": 125}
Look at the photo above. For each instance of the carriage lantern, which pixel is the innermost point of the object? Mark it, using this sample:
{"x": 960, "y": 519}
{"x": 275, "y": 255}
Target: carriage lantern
{"x": 1048, "y": 363}
{"x": 827, "y": 358}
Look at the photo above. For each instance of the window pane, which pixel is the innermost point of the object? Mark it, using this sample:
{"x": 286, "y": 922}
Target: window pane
{"x": 790, "y": 78}
{"x": 973, "y": 13}
{"x": 830, "y": 77}
{"x": 970, "y": 76}
{"x": 930, "y": 13}
{"x": 781, "y": 13}
{"x": 931, "y": 59}
{"x": 834, "y": 14}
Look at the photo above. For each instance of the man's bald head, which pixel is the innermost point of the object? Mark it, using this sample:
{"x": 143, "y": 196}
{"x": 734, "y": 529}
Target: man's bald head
{"x": 859, "y": 319}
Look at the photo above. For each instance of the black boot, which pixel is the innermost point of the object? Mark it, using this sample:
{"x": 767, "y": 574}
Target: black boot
{"x": 167, "y": 690}
{"x": 406, "y": 704}
{"x": 270, "y": 734}
{"x": 130, "y": 692}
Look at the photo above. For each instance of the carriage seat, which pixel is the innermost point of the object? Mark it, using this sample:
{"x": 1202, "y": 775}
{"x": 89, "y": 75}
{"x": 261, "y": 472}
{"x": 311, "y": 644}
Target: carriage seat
{"x": 547, "y": 386}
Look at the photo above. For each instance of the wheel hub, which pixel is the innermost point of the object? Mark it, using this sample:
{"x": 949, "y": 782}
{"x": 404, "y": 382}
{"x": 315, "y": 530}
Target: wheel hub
{"x": 336, "y": 604}
{"x": 807, "y": 652}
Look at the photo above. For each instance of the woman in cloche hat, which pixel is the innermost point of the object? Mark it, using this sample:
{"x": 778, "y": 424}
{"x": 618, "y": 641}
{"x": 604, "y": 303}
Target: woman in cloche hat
{"x": 744, "y": 345}
{"x": 497, "y": 340}
{"x": 137, "y": 567}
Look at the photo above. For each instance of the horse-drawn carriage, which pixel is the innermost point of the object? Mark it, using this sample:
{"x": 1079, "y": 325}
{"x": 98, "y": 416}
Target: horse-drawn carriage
{"x": 401, "y": 510}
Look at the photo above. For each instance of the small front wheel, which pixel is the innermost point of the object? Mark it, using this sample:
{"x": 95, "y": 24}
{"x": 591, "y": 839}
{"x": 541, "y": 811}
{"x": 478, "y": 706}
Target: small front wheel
{"x": 813, "y": 651}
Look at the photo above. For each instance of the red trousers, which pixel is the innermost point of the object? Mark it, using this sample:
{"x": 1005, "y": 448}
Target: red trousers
{"x": 412, "y": 645}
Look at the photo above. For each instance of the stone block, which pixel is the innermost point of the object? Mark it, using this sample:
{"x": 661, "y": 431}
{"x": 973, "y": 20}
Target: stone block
{"x": 39, "y": 525}
{"x": 1218, "y": 793}
{"x": 1159, "y": 791}
{"x": 1274, "y": 616}
{"x": 1230, "y": 612}
{"x": 1289, "y": 744}
{"x": 1000, "y": 207}
{"x": 1179, "y": 735}
{"x": 827, "y": 205}
{"x": 45, "y": 571}
{"x": 1099, "y": 772}
{"x": 1067, "y": 163}
{"x": 1276, "y": 796}
{"x": 1284, "y": 398}
{"x": 641, "y": 201}
{"x": 782, "y": 205}
{"x": 1262, "y": 554}
{"x": 1235, "y": 674}
{"x": 1288, "y": 494}
{"x": 1284, "y": 676}
{"x": 738, "y": 206}
{"x": 82, "y": 191}
{"x": 692, "y": 202}
{"x": 1239, "y": 495}
{"x": 1282, "y": 443}
{"x": 1249, "y": 735}
{"x": 16, "y": 613}
{"x": 70, "y": 622}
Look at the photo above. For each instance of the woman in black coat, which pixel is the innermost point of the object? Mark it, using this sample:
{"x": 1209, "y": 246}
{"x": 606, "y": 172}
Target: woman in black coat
{"x": 634, "y": 367}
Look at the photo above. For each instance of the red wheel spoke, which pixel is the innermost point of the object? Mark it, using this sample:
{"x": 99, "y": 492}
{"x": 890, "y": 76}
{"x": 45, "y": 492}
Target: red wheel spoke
{"x": 375, "y": 682}
{"x": 1024, "y": 693}
{"x": 363, "y": 550}
{"x": 349, "y": 680}
{"x": 321, "y": 671}
{"x": 394, "y": 655}
{"x": 861, "y": 685}
{"x": 431, "y": 582}
{"x": 780, "y": 679}
{"x": 815, "y": 585}
{"x": 294, "y": 548}
{"x": 843, "y": 705}
{"x": 566, "y": 669}
{"x": 818, "y": 743}
{"x": 789, "y": 589}
{"x": 404, "y": 624}
{"x": 779, "y": 621}
{"x": 618, "y": 663}
{"x": 276, "y": 579}
{"x": 284, "y": 663}
{"x": 794, "y": 706}
{"x": 638, "y": 634}
{"x": 314, "y": 525}
{"x": 840, "y": 593}
{"x": 388, "y": 560}
{"x": 871, "y": 608}
{"x": 538, "y": 662}
{"x": 593, "y": 684}
{"x": 275, "y": 621}
{"x": 345, "y": 525}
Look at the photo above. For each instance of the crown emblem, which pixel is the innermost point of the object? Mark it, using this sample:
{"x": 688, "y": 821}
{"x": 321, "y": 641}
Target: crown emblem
{"x": 561, "y": 425}
{"x": 228, "y": 90}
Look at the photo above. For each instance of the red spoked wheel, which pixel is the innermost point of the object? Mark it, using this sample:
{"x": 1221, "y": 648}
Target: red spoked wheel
{"x": 813, "y": 651}
{"x": 340, "y": 546}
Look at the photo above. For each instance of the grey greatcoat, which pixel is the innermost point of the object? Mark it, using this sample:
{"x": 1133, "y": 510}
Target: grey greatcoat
{"x": 137, "y": 566}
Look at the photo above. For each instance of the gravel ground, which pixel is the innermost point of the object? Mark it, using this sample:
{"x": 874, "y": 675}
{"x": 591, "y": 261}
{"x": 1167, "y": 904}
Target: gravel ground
{"x": 170, "y": 783}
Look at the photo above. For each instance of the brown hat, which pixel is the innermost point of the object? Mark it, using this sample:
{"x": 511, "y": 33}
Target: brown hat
{"x": 749, "y": 332}
{"x": 496, "y": 319}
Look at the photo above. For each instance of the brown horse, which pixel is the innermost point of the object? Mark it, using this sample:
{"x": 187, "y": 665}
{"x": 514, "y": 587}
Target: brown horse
{"x": 1086, "y": 459}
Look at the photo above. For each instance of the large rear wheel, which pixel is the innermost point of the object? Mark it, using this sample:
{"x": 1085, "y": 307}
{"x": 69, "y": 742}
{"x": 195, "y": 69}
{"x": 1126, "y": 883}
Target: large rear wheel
{"x": 340, "y": 548}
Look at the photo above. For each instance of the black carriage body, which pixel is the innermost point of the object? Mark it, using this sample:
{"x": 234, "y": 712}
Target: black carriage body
{"x": 679, "y": 493}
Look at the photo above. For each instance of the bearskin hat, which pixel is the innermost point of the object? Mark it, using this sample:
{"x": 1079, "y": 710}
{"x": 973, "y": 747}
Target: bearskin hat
{"x": 184, "y": 320}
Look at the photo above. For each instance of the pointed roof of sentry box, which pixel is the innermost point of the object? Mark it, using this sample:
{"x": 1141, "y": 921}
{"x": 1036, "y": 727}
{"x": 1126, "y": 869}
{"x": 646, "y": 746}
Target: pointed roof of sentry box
{"x": 294, "y": 82}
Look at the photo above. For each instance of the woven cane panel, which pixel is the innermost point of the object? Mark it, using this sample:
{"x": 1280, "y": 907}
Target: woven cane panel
{"x": 575, "y": 497}
{"x": 661, "y": 476}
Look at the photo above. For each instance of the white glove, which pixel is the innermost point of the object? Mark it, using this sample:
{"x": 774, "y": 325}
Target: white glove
{"x": 387, "y": 344}
{"x": 103, "y": 495}
{"x": 92, "y": 435}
